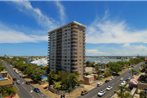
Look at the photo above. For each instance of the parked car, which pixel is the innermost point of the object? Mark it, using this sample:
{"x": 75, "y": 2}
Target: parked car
{"x": 107, "y": 81}
{"x": 115, "y": 74}
{"x": 83, "y": 92}
{"x": 37, "y": 90}
{"x": 101, "y": 93}
{"x": 109, "y": 88}
{"x": 112, "y": 78}
{"x": 98, "y": 84}
{"x": 28, "y": 83}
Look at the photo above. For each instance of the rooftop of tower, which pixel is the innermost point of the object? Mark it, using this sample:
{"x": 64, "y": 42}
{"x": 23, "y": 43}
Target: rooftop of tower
{"x": 66, "y": 25}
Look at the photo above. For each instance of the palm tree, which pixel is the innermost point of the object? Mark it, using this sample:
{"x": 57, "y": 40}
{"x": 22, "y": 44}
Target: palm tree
{"x": 122, "y": 92}
{"x": 57, "y": 85}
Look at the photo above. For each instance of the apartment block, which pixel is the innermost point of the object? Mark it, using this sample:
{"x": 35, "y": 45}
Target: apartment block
{"x": 67, "y": 48}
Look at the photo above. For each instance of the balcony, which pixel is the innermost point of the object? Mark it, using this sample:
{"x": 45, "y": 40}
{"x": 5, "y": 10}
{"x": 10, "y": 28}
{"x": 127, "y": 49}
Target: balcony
{"x": 74, "y": 42}
{"x": 74, "y": 25}
{"x": 73, "y": 67}
{"x": 74, "y": 56}
{"x": 74, "y": 49}
{"x": 74, "y": 30}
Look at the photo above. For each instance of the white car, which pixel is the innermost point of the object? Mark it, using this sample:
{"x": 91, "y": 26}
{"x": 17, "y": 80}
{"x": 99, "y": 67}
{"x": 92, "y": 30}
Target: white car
{"x": 121, "y": 79}
{"x": 101, "y": 93}
{"x": 18, "y": 81}
{"x": 98, "y": 84}
{"x": 123, "y": 83}
{"x": 109, "y": 88}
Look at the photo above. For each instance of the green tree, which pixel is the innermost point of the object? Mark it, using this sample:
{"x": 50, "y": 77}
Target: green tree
{"x": 107, "y": 72}
{"x": 51, "y": 76}
{"x": 7, "y": 91}
{"x": 1, "y": 68}
{"x": 67, "y": 80}
{"x": 133, "y": 71}
{"x": 143, "y": 94}
{"x": 57, "y": 85}
{"x": 121, "y": 92}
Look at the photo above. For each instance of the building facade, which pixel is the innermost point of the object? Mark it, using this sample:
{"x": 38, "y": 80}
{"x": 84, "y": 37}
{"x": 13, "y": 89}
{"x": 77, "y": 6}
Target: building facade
{"x": 67, "y": 48}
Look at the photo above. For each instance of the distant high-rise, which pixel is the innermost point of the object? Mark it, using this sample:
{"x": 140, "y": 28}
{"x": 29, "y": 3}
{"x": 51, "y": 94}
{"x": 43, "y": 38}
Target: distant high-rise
{"x": 67, "y": 48}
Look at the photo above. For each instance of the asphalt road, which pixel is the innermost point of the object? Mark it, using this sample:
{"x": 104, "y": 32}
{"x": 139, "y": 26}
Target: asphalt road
{"x": 114, "y": 83}
{"x": 22, "y": 88}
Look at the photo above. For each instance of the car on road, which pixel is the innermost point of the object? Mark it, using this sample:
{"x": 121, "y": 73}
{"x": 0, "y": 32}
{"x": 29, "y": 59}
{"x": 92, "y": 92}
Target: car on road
{"x": 101, "y": 93}
{"x": 37, "y": 90}
{"x": 83, "y": 92}
{"x": 14, "y": 79}
{"x": 18, "y": 81}
{"x": 109, "y": 88}
{"x": 122, "y": 83}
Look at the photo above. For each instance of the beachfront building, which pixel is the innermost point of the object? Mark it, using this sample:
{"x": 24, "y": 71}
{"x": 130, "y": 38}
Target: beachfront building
{"x": 67, "y": 48}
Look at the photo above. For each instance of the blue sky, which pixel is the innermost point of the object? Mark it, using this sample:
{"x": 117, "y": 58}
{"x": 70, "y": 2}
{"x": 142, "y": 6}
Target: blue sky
{"x": 113, "y": 28}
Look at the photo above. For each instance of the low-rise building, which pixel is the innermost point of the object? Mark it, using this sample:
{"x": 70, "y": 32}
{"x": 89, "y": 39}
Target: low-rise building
{"x": 89, "y": 79}
{"x": 5, "y": 79}
{"x": 89, "y": 70}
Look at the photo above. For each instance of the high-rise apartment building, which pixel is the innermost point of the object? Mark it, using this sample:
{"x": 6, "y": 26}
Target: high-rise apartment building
{"x": 67, "y": 48}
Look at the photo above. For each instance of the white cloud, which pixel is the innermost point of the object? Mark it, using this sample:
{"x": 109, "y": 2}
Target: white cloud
{"x": 125, "y": 50}
{"x": 61, "y": 10}
{"x": 111, "y": 31}
{"x": 12, "y": 34}
{"x": 94, "y": 52}
{"x": 9, "y": 35}
{"x": 134, "y": 50}
{"x": 43, "y": 20}
{"x": 106, "y": 31}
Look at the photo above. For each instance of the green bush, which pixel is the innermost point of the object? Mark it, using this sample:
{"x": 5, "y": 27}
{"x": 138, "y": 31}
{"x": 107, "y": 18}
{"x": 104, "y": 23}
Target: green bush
{"x": 7, "y": 91}
{"x": 67, "y": 80}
